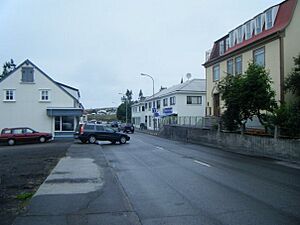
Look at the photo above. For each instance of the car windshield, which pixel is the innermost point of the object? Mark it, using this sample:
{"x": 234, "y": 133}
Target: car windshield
{"x": 109, "y": 129}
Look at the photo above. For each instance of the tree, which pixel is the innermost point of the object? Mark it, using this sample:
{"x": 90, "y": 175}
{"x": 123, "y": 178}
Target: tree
{"x": 141, "y": 95}
{"x": 121, "y": 112}
{"x": 246, "y": 96}
{"x": 287, "y": 116}
{"x": 292, "y": 83}
{"x": 127, "y": 102}
{"x": 129, "y": 95}
{"x": 7, "y": 68}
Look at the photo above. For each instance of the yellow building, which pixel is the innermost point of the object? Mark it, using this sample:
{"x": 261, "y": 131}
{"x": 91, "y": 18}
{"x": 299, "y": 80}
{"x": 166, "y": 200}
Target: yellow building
{"x": 271, "y": 39}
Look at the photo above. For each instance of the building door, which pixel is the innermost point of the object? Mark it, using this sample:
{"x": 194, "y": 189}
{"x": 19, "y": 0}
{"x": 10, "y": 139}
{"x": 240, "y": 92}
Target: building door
{"x": 217, "y": 105}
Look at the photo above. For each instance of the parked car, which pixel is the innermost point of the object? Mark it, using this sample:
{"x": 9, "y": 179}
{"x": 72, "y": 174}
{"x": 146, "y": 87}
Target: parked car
{"x": 92, "y": 132}
{"x": 116, "y": 126}
{"x": 128, "y": 128}
{"x": 12, "y": 136}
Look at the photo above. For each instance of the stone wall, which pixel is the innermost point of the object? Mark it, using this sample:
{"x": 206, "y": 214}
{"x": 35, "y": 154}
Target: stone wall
{"x": 285, "y": 149}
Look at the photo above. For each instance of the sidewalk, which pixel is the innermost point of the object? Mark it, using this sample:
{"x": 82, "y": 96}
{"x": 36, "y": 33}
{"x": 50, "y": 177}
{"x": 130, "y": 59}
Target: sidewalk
{"x": 81, "y": 190}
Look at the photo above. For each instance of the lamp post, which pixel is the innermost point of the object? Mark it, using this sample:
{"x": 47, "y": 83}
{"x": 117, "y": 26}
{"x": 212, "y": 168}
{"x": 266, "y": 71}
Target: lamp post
{"x": 147, "y": 75}
{"x": 125, "y": 98}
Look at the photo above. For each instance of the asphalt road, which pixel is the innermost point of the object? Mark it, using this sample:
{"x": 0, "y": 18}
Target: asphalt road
{"x": 169, "y": 182}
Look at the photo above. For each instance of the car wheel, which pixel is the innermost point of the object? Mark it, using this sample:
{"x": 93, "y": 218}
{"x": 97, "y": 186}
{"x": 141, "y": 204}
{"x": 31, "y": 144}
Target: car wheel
{"x": 11, "y": 142}
{"x": 123, "y": 140}
{"x": 92, "y": 139}
{"x": 42, "y": 139}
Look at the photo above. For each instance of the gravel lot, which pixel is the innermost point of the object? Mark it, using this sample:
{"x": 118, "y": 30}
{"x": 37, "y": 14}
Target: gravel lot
{"x": 23, "y": 168}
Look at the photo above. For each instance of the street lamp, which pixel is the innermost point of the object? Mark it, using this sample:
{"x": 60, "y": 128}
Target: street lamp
{"x": 147, "y": 75}
{"x": 123, "y": 97}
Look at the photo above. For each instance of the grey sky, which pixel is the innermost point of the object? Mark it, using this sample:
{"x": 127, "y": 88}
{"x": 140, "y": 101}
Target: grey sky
{"x": 101, "y": 46}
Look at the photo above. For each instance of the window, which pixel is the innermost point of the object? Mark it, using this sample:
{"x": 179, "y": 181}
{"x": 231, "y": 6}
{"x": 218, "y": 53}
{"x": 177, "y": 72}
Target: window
{"x": 227, "y": 44}
{"x": 269, "y": 19}
{"x": 165, "y": 102}
{"x": 216, "y": 73}
{"x": 150, "y": 106}
{"x": 259, "y": 56}
{"x": 27, "y": 74}
{"x": 150, "y": 121}
{"x": 146, "y": 105}
{"x": 17, "y": 131}
{"x": 44, "y": 95}
{"x": 10, "y": 95}
{"x": 238, "y": 65}
{"x": 153, "y": 104}
{"x": 172, "y": 100}
{"x": 158, "y": 104}
{"x": 99, "y": 128}
{"x": 194, "y": 100}
{"x": 248, "y": 30}
{"x": 231, "y": 39}
{"x": 258, "y": 24}
{"x": 146, "y": 119}
{"x": 240, "y": 35}
{"x": 230, "y": 66}
{"x": 221, "y": 47}
{"x": 143, "y": 108}
{"x": 65, "y": 123}
{"x": 28, "y": 131}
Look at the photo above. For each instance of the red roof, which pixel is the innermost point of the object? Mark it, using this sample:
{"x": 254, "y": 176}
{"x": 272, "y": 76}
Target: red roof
{"x": 283, "y": 18}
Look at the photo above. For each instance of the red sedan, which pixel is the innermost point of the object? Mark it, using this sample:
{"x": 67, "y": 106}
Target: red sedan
{"x": 12, "y": 136}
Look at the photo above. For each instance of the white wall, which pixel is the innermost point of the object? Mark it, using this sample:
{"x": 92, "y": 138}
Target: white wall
{"x": 27, "y": 110}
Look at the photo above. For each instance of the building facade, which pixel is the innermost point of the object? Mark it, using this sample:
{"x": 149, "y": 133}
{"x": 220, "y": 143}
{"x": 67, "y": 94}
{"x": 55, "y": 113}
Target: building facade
{"x": 175, "y": 103}
{"x": 30, "y": 98}
{"x": 270, "y": 39}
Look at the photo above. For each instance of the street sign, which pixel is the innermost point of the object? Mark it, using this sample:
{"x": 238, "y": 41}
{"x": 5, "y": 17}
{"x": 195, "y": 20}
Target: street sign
{"x": 154, "y": 110}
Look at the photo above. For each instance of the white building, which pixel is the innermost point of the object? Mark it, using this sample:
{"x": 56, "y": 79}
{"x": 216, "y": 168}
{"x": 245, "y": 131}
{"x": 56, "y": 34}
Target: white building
{"x": 29, "y": 97}
{"x": 179, "y": 103}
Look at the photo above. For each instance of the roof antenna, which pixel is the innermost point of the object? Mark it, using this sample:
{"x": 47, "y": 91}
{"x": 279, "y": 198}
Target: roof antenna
{"x": 188, "y": 76}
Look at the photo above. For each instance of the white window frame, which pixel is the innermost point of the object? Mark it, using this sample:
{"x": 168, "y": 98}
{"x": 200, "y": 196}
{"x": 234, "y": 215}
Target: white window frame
{"x": 248, "y": 30}
{"x": 197, "y": 102}
{"x": 232, "y": 65}
{"x": 172, "y": 100}
{"x": 221, "y": 47}
{"x": 48, "y": 95}
{"x": 12, "y": 93}
{"x": 235, "y": 65}
{"x": 259, "y": 51}
{"x": 165, "y": 102}
{"x": 240, "y": 34}
{"x": 214, "y": 69}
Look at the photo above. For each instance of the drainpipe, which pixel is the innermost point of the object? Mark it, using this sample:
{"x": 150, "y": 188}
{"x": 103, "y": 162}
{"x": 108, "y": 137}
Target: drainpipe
{"x": 281, "y": 61}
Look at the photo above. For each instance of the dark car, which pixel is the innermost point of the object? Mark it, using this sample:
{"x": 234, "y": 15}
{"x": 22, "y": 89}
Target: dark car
{"x": 128, "y": 128}
{"x": 12, "y": 136}
{"x": 92, "y": 132}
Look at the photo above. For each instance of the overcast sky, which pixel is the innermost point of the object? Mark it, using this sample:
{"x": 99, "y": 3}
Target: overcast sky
{"x": 102, "y": 46}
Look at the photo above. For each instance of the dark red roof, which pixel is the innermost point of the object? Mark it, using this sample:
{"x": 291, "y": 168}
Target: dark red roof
{"x": 283, "y": 18}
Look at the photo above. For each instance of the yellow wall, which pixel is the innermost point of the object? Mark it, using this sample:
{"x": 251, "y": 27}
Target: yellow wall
{"x": 291, "y": 41}
{"x": 272, "y": 63}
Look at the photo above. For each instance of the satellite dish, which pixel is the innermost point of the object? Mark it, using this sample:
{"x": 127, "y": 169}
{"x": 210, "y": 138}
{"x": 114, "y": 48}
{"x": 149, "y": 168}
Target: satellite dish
{"x": 188, "y": 76}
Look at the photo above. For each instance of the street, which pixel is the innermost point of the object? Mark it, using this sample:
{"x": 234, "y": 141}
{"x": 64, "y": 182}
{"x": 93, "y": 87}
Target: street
{"x": 170, "y": 182}
{"x": 154, "y": 181}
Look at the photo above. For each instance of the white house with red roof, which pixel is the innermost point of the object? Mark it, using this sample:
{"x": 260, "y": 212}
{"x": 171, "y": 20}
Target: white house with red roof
{"x": 30, "y": 98}
{"x": 270, "y": 39}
